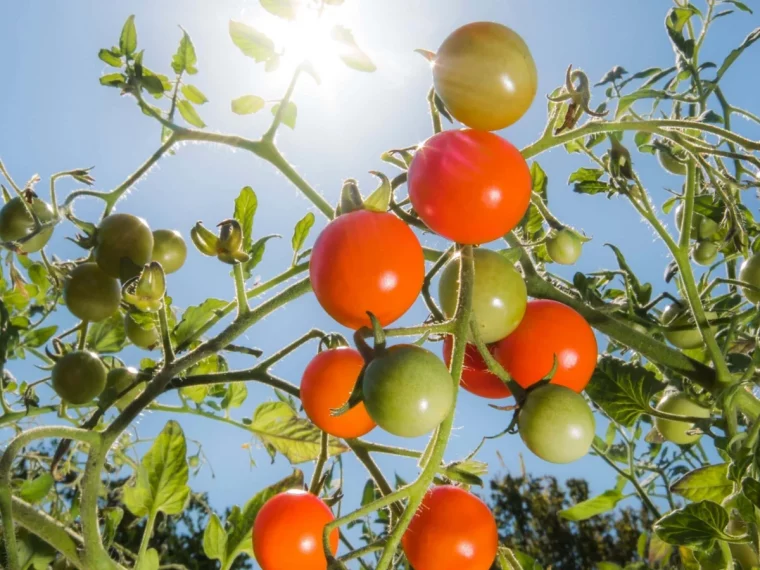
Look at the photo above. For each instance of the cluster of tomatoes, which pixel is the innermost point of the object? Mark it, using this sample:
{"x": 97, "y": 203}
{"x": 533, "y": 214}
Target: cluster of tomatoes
{"x": 471, "y": 187}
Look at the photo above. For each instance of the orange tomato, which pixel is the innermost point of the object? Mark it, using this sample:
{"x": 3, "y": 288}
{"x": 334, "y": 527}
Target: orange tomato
{"x": 326, "y": 384}
{"x": 366, "y": 261}
{"x": 452, "y": 530}
{"x": 549, "y": 328}
{"x": 476, "y": 378}
{"x": 469, "y": 186}
{"x": 287, "y": 532}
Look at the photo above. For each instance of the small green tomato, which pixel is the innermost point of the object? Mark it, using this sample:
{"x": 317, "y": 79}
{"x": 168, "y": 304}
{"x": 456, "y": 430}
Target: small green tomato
{"x": 750, "y": 273}
{"x": 564, "y": 247}
{"x": 674, "y": 431}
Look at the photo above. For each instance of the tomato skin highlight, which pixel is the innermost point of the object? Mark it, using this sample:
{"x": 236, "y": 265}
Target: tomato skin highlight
{"x": 326, "y": 384}
{"x": 366, "y": 261}
{"x": 287, "y": 532}
{"x": 469, "y": 186}
{"x": 452, "y": 530}
{"x": 485, "y": 74}
{"x": 549, "y": 328}
{"x": 476, "y": 378}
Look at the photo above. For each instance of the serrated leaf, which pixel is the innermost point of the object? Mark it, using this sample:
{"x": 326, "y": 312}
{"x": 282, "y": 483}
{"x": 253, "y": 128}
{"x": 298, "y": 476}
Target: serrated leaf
{"x": 109, "y": 57}
{"x": 196, "y": 393}
{"x": 626, "y": 101}
{"x": 591, "y": 188}
{"x": 615, "y": 74}
{"x": 34, "y": 490}
{"x": 350, "y": 53}
{"x": 251, "y": 42}
{"x": 623, "y": 390}
{"x": 113, "y": 80}
{"x": 40, "y": 336}
{"x": 751, "y": 490}
{"x": 467, "y": 471}
{"x": 237, "y": 392}
{"x": 246, "y": 205}
{"x": 289, "y": 115}
{"x": 585, "y": 175}
{"x": 280, "y": 429}
{"x": 193, "y": 94}
{"x": 301, "y": 231}
{"x": 215, "y": 540}
{"x": 195, "y": 317}
{"x": 659, "y": 551}
{"x": 128, "y": 38}
{"x": 734, "y": 55}
{"x": 593, "y": 507}
{"x": 189, "y": 113}
{"x": 185, "y": 59}
{"x": 697, "y": 525}
{"x": 112, "y": 518}
{"x": 257, "y": 254}
{"x": 161, "y": 483}
{"x": 247, "y": 104}
{"x": 705, "y": 483}
{"x": 287, "y": 9}
{"x": 108, "y": 335}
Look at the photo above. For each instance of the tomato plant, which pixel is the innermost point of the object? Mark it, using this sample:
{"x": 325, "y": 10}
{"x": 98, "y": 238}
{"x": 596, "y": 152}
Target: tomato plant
{"x": 78, "y": 377}
{"x": 123, "y": 244}
{"x": 476, "y": 377}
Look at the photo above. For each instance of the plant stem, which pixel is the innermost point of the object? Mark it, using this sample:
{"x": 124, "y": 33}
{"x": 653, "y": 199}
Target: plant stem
{"x": 82, "y": 343}
{"x": 316, "y": 477}
{"x": 240, "y": 295}
{"x": 166, "y": 340}
{"x": 147, "y": 533}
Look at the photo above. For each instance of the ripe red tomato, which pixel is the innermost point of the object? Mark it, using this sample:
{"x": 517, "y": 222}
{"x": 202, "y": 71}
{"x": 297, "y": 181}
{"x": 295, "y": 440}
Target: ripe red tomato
{"x": 287, "y": 532}
{"x": 366, "y": 261}
{"x": 326, "y": 384}
{"x": 469, "y": 186}
{"x": 452, "y": 530}
{"x": 549, "y": 328}
{"x": 476, "y": 378}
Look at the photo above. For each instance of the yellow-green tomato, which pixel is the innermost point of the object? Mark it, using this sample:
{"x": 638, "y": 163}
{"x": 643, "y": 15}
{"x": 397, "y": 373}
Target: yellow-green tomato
{"x": 674, "y": 431}
{"x": 147, "y": 338}
{"x": 705, "y": 252}
{"x": 707, "y": 228}
{"x": 123, "y": 244}
{"x": 117, "y": 381}
{"x": 16, "y": 223}
{"x": 79, "y": 377}
{"x": 564, "y": 247}
{"x": 672, "y": 164}
{"x": 556, "y": 424}
{"x": 499, "y": 295}
{"x": 687, "y": 334}
{"x": 90, "y": 294}
{"x": 408, "y": 390}
{"x": 750, "y": 273}
{"x": 486, "y": 76}
{"x": 169, "y": 249}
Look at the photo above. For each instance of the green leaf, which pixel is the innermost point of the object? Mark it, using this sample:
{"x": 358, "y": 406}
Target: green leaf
{"x": 467, "y": 471}
{"x": 705, "y": 483}
{"x": 34, "y": 490}
{"x": 608, "y": 566}
{"x": 185, "y": 59}
{"x": 638, "y": 293}
{"x": 108, "y": 335}
{"x": 189, "y": 113}
{"x": 734, "y": 55}
{"x": 280, "y": 429}
{"x": 697, "y": 525}
{"x": 196, "y": 393}
{"x": 591, "y": 188}
{"x": 623, "y": 390}
{"x": 507, "y": 560}
{"x": 150, "y": 561}
{"x": 215, "y": 540}
{"x": 128, "y": 39}
{"x": 152, "y": 85}
{"x": 251, "y": 42}
{"x": 195, "y": 317}
{"x": 247, "y": 104}
{"x": 593, "y": 507}
{"x": 288, "y": 115}
{"x": 513, "y": 254}
{"x": 751, "y": 490}
{"x": 193, "y": 94}
{"x": 287, "y": 9}
{"x": 112, "y": 518}
{"x": 301, "y": 231}
{"x": 585, "y": 175}
{"x": 350, "y": 53}
{"x": 626, "y": 101}
{"x": 38, "y": 337}
{"x": 236, "y": 394}
{"x": 740, "y": 5}
{"x": 240, "y": 522}
{"x": 114, "y": 80}
{"x": 162, "y": 476}
{"x": 110, "y": 58}
{"x": 245, "y": 209}
{"x": 659, "y": 551}
{"x": 257, "y": 253}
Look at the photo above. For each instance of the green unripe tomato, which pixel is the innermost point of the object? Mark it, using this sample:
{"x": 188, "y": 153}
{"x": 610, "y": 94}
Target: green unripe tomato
{"x": 140, "y": 337}
{"x": 193, "y": 461}
{"x": 123, "y": 244}
{"x": 556, "y": 424}
{"x": 705, "y": 252}
{"x": 742, "y": 553}
{"x": 670, "y": 163}
{"x": 564, "y": 247}
{"x": 16, "y": 223}
{"x": 707, "y": 228}
{"x": 90, "y": 294}
{"x": 118, "y": 380}
{"x": 499, "y": 295}
{"x": 169, "y": 249}
{"x": 687, "y": 337}
{"x": 675, "y": 431}
{"x": 408, "y": 390}
{"x": 79, "y": 377}
{"x": 750, "y": 273}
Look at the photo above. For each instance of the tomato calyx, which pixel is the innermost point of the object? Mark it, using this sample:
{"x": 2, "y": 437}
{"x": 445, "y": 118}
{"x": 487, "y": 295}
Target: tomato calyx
{"x": 227, "y": 246}
{"x": 351, "y": 199}
{"x": 621, "y": 165}
{"x": 332, "y": 341}
{"x": 579, "y": 98}
{"x": 146, "y": 291}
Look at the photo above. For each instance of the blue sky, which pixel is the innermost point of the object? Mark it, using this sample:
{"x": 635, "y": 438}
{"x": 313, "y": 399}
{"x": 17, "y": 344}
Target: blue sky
{"x": 55, "y": 116}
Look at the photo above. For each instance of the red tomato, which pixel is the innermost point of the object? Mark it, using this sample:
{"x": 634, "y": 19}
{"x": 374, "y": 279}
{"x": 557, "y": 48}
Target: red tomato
{"x": 549, "y": 328}
{"x": 326, "y": 384}
{"x": 452, "y": 530}
{"x": 469, "y": 186}
{"x": 287, "y": 532}
{"x": 366, "y": 261}
{"x": 476, "y": 378}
